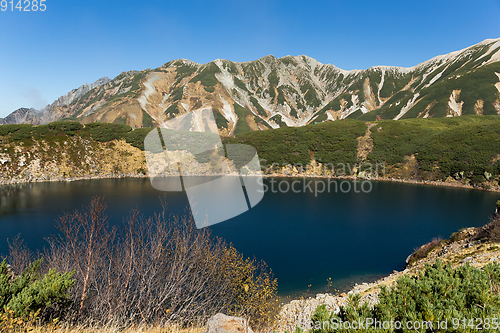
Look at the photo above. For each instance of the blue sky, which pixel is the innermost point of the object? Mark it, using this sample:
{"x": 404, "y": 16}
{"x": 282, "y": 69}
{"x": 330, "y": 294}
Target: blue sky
{"x": 43, "y": 55}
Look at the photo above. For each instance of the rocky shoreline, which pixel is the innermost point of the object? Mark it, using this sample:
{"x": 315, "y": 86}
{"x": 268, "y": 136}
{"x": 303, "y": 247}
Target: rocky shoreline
{"x": 466, "y": 249}
{"x": 455, "y": 184}
{"x": 70, "y": 179}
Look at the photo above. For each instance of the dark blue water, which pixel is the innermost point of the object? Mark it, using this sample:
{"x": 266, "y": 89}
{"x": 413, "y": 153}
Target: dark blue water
{"x": 305, "y": 239}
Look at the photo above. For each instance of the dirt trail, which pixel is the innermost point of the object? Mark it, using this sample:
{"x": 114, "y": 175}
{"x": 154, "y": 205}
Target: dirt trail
{"x": 365, "y": 143}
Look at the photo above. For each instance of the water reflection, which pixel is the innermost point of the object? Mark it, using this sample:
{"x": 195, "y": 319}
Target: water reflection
{"x": 304, "y": 238}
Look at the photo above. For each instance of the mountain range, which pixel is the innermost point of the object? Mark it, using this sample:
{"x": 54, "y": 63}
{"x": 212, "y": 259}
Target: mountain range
{"x": 289, "y": 91}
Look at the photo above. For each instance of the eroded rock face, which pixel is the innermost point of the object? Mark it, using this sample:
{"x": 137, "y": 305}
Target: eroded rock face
{"x": 220, "y": 323}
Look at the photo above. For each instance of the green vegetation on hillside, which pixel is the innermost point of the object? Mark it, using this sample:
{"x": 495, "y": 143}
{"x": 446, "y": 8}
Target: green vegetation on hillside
{"x": 105, "y": 132}
{"x": 260, "y": 110}
{"x": 147, "y": 121}
{"x": 332, "y": 142}
{"x": 207, "y": 76}
{"x": 102, "y": 132}
{"x": 183, "y": 70}
{"x": 472, "y": 85}
{"x": 220, "y": 120}
{"x": 310, "y": 96}
{"x": 239, "y": 83}
{"x": 465, "y": 148}
{"x": 241, "y": 112}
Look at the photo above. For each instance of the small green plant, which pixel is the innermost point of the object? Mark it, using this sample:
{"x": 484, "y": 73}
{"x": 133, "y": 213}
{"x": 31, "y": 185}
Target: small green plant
{"x": 23, "y": 298}
{"x": 438, "y": 294}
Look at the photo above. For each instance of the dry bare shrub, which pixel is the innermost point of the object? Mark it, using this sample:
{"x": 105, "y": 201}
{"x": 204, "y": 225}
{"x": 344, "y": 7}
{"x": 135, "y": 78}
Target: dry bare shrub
{"x": 490, "y": 232}
{"x": 424, "y": 250}
{"x": 20, "y": 257}
{"x": 156, "y": 271}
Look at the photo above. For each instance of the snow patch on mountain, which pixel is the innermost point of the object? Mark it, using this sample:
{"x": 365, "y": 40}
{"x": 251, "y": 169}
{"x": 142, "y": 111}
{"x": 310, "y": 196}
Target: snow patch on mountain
{"x": 148, "y": 91}
{"x": 185, "y": 106}
{"x": 381, "y": 85}
{"x": 228, "y": 113}
{"x": 455, "y": 107}
{"x": 493, "y": 46}
{"x": 393, "y": 69}
{"x": 355, "y": 107}
{"x": 497, "y": 85}
{"x": 407, "y": 106}
{"x": 224, "y": 77}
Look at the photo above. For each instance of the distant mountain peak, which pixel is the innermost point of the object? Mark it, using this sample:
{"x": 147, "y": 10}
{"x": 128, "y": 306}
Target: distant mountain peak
{"x": 19, "y": 116}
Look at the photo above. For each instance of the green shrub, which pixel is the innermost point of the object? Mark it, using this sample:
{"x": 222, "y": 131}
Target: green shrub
{"x": 31, "y": 293}
{"x": 241, "y": 125}
{"x": 20, "y": 132}
{"x": 440, "y": 293}
{"x": 67, "y": 127}
{"x": 105, "y": 132}
{"x": 28, "y": 131}
{"x": 137, "y": 136}
{"x": 446, "y": 146}
{"x": 8, "y": 129}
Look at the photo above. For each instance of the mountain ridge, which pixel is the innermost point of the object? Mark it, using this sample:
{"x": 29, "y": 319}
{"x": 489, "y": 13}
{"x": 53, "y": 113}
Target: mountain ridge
{"x": 293, "y": 91}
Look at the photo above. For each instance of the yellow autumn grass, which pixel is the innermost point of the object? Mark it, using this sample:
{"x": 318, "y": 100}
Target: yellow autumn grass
{"x": 144, "y": 329}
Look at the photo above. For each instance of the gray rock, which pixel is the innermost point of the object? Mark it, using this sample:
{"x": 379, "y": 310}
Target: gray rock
{"x": 220, "y": 323}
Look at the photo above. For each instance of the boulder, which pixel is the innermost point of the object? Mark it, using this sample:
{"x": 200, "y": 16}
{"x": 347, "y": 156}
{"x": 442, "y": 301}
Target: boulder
{"x": 497, "y": 211}
{"x": 10, "y": 273}
{"x": 220, "y": 323}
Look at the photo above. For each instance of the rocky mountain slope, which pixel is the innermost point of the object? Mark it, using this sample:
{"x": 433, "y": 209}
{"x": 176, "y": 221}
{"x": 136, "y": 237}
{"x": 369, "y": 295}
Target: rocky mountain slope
{"x": 50, "y": 112}
{"x": 289, "y": 91}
